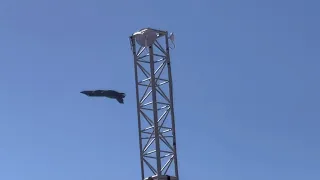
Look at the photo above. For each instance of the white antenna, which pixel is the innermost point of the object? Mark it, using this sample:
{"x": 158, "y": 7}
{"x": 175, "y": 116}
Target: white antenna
{"x": 171, "y": 37}
{"x": 146, "y": 37}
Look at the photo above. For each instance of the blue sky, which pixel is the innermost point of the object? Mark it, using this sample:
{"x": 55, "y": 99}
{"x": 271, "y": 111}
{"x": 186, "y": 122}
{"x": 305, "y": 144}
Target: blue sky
{"x": 246, "y": 83}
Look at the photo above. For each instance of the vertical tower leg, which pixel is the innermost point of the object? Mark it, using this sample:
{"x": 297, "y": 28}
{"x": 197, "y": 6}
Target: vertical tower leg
{"x": 156, "y": 123}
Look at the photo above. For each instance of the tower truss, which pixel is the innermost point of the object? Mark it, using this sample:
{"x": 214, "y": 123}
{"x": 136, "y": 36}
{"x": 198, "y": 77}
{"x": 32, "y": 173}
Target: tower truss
{"x": 156, "y": 122}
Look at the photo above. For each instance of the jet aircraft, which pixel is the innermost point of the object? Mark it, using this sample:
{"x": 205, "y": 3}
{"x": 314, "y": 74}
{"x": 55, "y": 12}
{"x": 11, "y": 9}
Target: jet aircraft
{"x": 106, "y": 93}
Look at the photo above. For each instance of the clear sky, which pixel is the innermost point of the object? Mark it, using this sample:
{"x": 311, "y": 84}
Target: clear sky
{"x": 246, "y": 83}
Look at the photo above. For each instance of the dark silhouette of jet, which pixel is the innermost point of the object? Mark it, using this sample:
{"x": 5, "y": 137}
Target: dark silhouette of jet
{"x": 106, "y": 93}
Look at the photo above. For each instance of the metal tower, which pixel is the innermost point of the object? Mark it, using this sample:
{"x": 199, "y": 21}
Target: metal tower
{"x": 156, "y": 122}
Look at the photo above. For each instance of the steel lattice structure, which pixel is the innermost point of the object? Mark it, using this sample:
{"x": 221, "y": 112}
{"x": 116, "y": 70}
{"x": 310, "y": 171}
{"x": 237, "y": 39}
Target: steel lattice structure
{"x": 156, "y": 122}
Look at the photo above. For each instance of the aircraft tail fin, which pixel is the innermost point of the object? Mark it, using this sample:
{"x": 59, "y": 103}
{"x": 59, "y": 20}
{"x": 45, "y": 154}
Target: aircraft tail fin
{"x": 120, "y": 100}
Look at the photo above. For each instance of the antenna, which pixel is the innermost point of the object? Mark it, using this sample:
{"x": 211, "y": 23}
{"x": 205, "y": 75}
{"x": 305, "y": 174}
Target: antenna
{"x": 146, "y": 37}
{"x": 171, "y": 37}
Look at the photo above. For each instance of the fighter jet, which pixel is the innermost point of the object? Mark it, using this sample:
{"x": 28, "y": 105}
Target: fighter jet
{"x": 106, "y": 93}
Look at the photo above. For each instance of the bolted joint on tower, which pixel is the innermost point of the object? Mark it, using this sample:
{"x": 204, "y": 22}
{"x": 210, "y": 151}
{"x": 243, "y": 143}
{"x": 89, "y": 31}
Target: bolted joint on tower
{"x": 156, "y": 122}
